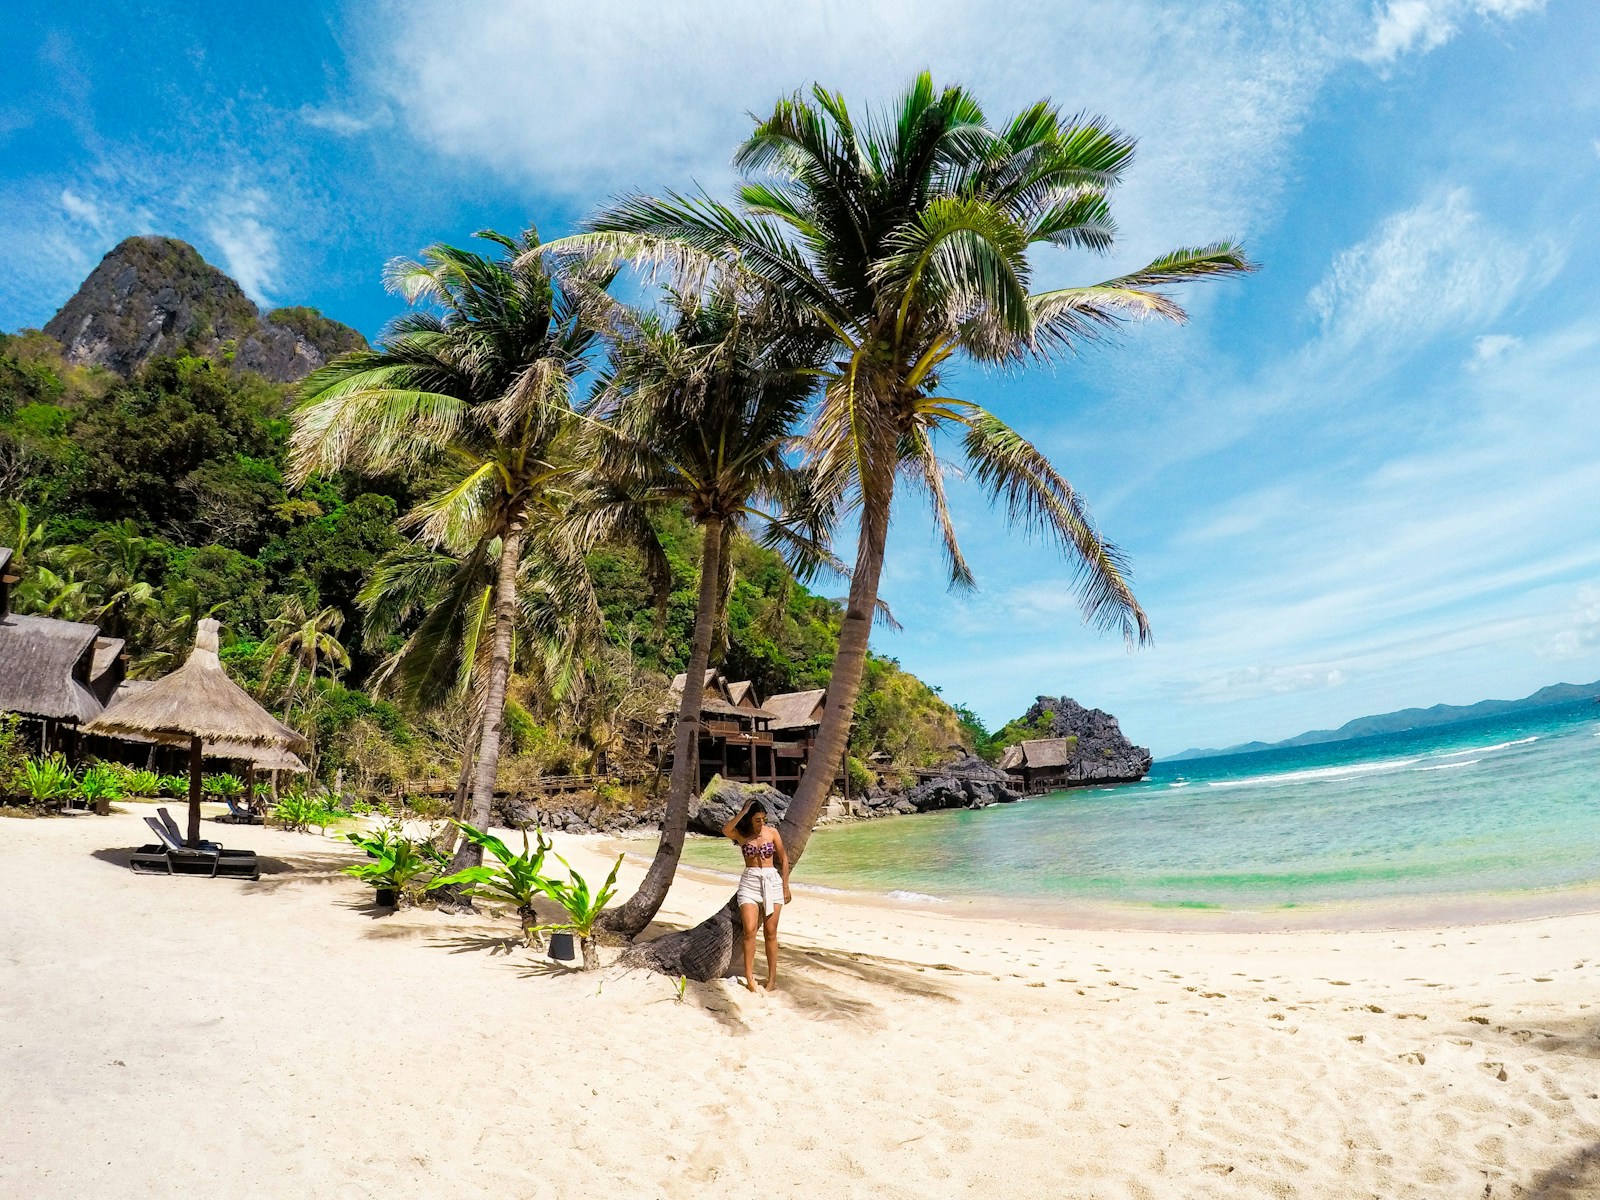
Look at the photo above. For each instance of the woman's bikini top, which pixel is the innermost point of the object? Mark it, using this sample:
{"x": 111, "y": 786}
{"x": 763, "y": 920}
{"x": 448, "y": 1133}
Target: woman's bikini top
{"x": 756, "y": 851}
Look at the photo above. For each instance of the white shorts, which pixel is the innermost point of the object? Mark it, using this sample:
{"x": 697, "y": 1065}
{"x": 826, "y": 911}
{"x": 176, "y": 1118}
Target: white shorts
{"x": 762, "y": 886}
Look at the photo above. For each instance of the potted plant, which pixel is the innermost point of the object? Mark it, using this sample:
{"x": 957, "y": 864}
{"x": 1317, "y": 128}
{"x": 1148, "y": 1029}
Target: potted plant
{"x": 583, "y": 907}
{"x": 99, "y": 786}
{"x": 513, "y": 878}
{"x": 394, "y": 860}
{"x": 142, "y": 784}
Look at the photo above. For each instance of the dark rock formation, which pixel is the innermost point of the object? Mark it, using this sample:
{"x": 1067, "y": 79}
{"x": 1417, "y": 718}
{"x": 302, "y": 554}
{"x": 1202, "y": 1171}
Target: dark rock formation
{"x": 725, "y": 797}
{"x": 966, "y": 783}
{"x": 1102, "y": 754}
{"x": 156, "y": 296}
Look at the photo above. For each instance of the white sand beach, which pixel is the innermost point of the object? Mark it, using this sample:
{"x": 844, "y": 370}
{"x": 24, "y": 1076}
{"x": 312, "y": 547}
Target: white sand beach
{"x": 164, "y": 1037}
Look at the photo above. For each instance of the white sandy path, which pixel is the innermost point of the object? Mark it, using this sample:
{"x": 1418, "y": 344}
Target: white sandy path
{"x": 172, "y": 1037}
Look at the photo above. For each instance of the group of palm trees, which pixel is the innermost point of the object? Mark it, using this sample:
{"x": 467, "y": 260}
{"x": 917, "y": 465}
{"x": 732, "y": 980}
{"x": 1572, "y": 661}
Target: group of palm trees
{"x": 793, "y": 373}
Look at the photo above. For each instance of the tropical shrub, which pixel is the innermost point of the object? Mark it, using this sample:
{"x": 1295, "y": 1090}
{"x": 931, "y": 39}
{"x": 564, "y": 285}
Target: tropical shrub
{"x": 141, "y": 784}
{"x": 298, "y": 812}
{"x": 583, "y": 907}
{"x": 99, "y": 783}
{"x": 394, "y": 860}
{"x": 223, "y": 786}
{"x": 46, "y": 781}
{"x": 176, "y": 786}
{"x": 513, "y": 878}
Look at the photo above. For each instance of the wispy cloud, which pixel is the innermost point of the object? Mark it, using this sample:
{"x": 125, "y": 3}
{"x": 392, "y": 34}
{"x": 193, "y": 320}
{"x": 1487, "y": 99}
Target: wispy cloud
{"x": 240, "y": 229}
{"x": 1435, "y": 266}
{"x": 1490, "y": 346}
{"x": 343, "y": 123}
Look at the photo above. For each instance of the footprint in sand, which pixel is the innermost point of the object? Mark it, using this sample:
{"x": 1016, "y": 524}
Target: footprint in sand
{"x": 1498, "y": 1070}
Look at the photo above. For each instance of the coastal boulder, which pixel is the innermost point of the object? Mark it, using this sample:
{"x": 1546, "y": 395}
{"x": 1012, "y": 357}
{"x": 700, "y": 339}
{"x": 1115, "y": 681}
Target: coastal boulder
{"x": 723, "y": 798}
{"x": 968, "y": 782}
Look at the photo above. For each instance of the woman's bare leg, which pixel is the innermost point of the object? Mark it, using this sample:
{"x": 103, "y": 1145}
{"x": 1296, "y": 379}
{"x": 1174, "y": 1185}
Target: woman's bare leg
{"x": 770, "y": 928}
{"x": 750, "y": 917}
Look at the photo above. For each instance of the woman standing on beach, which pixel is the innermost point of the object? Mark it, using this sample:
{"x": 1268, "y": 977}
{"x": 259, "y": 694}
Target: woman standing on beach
{"x": 763, "y": 886}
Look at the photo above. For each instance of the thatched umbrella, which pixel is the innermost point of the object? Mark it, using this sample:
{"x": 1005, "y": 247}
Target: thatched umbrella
{"x": 197, "y": 704}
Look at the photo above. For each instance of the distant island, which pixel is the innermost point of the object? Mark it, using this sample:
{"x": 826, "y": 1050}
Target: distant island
{"x": 1410, "y": 718}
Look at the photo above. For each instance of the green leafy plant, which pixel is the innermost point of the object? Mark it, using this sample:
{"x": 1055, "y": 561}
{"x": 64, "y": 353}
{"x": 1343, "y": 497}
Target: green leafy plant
{"x": 46, "y": 781}
{"x": 583, "y": 906}
{"x": 176, "y": 786}
{"x": 141, "y": 784}
{"x": 683, "y": 987}
{"x": 223, "y": 786}
{"x": 99, "y": 785}
{"x": 395, "y": 861}
{"x": 297, "y": 812}
{"x": 512, "y": 877}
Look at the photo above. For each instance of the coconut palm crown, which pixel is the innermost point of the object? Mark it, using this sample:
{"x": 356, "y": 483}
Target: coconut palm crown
{"x": 474, "y": 393}
{"x": 906, "y": 236}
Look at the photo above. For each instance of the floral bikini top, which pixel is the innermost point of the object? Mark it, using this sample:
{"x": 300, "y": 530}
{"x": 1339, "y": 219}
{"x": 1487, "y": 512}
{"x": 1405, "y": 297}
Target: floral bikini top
{"x": 757, "y": 851}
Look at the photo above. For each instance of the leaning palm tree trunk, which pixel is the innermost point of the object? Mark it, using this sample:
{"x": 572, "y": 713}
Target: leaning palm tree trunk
{"x": 469, "y": 853}
{"x": 632, "y": 917}
{"x": 706, "y": 951}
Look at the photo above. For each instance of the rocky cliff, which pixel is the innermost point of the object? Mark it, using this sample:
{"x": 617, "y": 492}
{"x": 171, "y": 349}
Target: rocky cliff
{"x": 153, "y": 296}
{"x": 1102, "y": 754}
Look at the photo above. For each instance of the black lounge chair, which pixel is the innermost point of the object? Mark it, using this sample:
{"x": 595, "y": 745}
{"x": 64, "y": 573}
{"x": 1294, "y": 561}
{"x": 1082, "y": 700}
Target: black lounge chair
{"x": 239, "y": 815}
{"x": 177, "y": 832}
{"x": 171, "y": 857}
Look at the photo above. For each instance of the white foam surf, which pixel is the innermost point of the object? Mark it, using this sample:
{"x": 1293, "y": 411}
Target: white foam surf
{"x": 1451, "y": 766}
{"x": 1316, "y": 774}
{"x": 915, "y": 897}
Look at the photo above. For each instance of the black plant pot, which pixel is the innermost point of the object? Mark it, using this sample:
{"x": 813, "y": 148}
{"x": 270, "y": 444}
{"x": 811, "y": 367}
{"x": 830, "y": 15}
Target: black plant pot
{"x": 388, "y": 897}
{"x": 562, "y": 947}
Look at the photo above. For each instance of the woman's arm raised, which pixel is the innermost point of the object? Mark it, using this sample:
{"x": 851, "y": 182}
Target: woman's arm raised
{"x": 727, "y": 830}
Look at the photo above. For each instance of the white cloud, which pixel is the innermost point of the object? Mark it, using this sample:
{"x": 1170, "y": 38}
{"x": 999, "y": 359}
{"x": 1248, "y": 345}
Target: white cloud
{"x": 341, "y": 123}
{"x": 582, "y": 101}
{"x": 249, "y": 245}
{"x": 1490, "y": 346}
{"x": 1408, "y": 26}
{"x": 1582, "y": 628}
{"x": 1433, "y": 267}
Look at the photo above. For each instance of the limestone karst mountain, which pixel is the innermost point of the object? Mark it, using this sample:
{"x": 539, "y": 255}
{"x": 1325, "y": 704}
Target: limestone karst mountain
{"x": 153, "y": 296}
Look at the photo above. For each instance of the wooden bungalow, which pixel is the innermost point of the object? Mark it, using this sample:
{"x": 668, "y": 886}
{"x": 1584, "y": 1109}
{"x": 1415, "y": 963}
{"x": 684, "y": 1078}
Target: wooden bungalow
{"x": 798, "y": 716}
{"x": 735, "y": 734}
{"x": 57, "y": 675}
{"x": 1039, "y": 765}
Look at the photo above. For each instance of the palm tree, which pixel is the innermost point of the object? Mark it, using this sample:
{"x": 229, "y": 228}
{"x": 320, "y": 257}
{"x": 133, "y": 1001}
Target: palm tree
{"x": 906, "y": 238}
{"x": 479, "y": 391}
{"x": 699, "y": 411}
{"x": 442, "y": 607}
{"x": 308, "y": 641}
{"x": 170, "y": 632}
{"x": 124, "y": 561}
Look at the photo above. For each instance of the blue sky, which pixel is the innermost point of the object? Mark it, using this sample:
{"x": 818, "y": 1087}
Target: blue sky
{"x": 1362, "y": 479}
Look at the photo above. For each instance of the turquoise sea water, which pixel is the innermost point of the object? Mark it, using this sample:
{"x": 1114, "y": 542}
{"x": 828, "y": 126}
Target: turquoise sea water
{"x": 1508, "y": 804}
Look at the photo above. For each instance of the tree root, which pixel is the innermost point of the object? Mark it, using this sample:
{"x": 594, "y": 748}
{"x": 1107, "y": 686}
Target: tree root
{"x": 702, "y": 953}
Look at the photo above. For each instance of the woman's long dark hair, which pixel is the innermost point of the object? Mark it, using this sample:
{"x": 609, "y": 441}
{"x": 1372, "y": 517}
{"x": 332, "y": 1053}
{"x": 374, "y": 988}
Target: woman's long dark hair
{"x": 747, "y": 823}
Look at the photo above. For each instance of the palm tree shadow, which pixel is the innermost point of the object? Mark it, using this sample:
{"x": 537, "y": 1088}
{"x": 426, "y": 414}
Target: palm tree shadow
{"x": 1576, "y": 1177}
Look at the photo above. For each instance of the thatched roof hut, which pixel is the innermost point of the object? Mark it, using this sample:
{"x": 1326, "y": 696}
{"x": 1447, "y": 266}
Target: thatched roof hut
{"x": 797, "y": 710}
{"x": 1039, "y": 757}
{"x": 196, "y": 704}
{"x": 50, "y": 670}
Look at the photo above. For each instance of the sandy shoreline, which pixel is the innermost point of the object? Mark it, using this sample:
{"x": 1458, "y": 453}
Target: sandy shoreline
{"x": 282, "y": 1038}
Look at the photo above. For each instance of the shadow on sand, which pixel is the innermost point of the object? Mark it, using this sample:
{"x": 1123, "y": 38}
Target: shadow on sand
{"x": 1575, "y": 1177}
